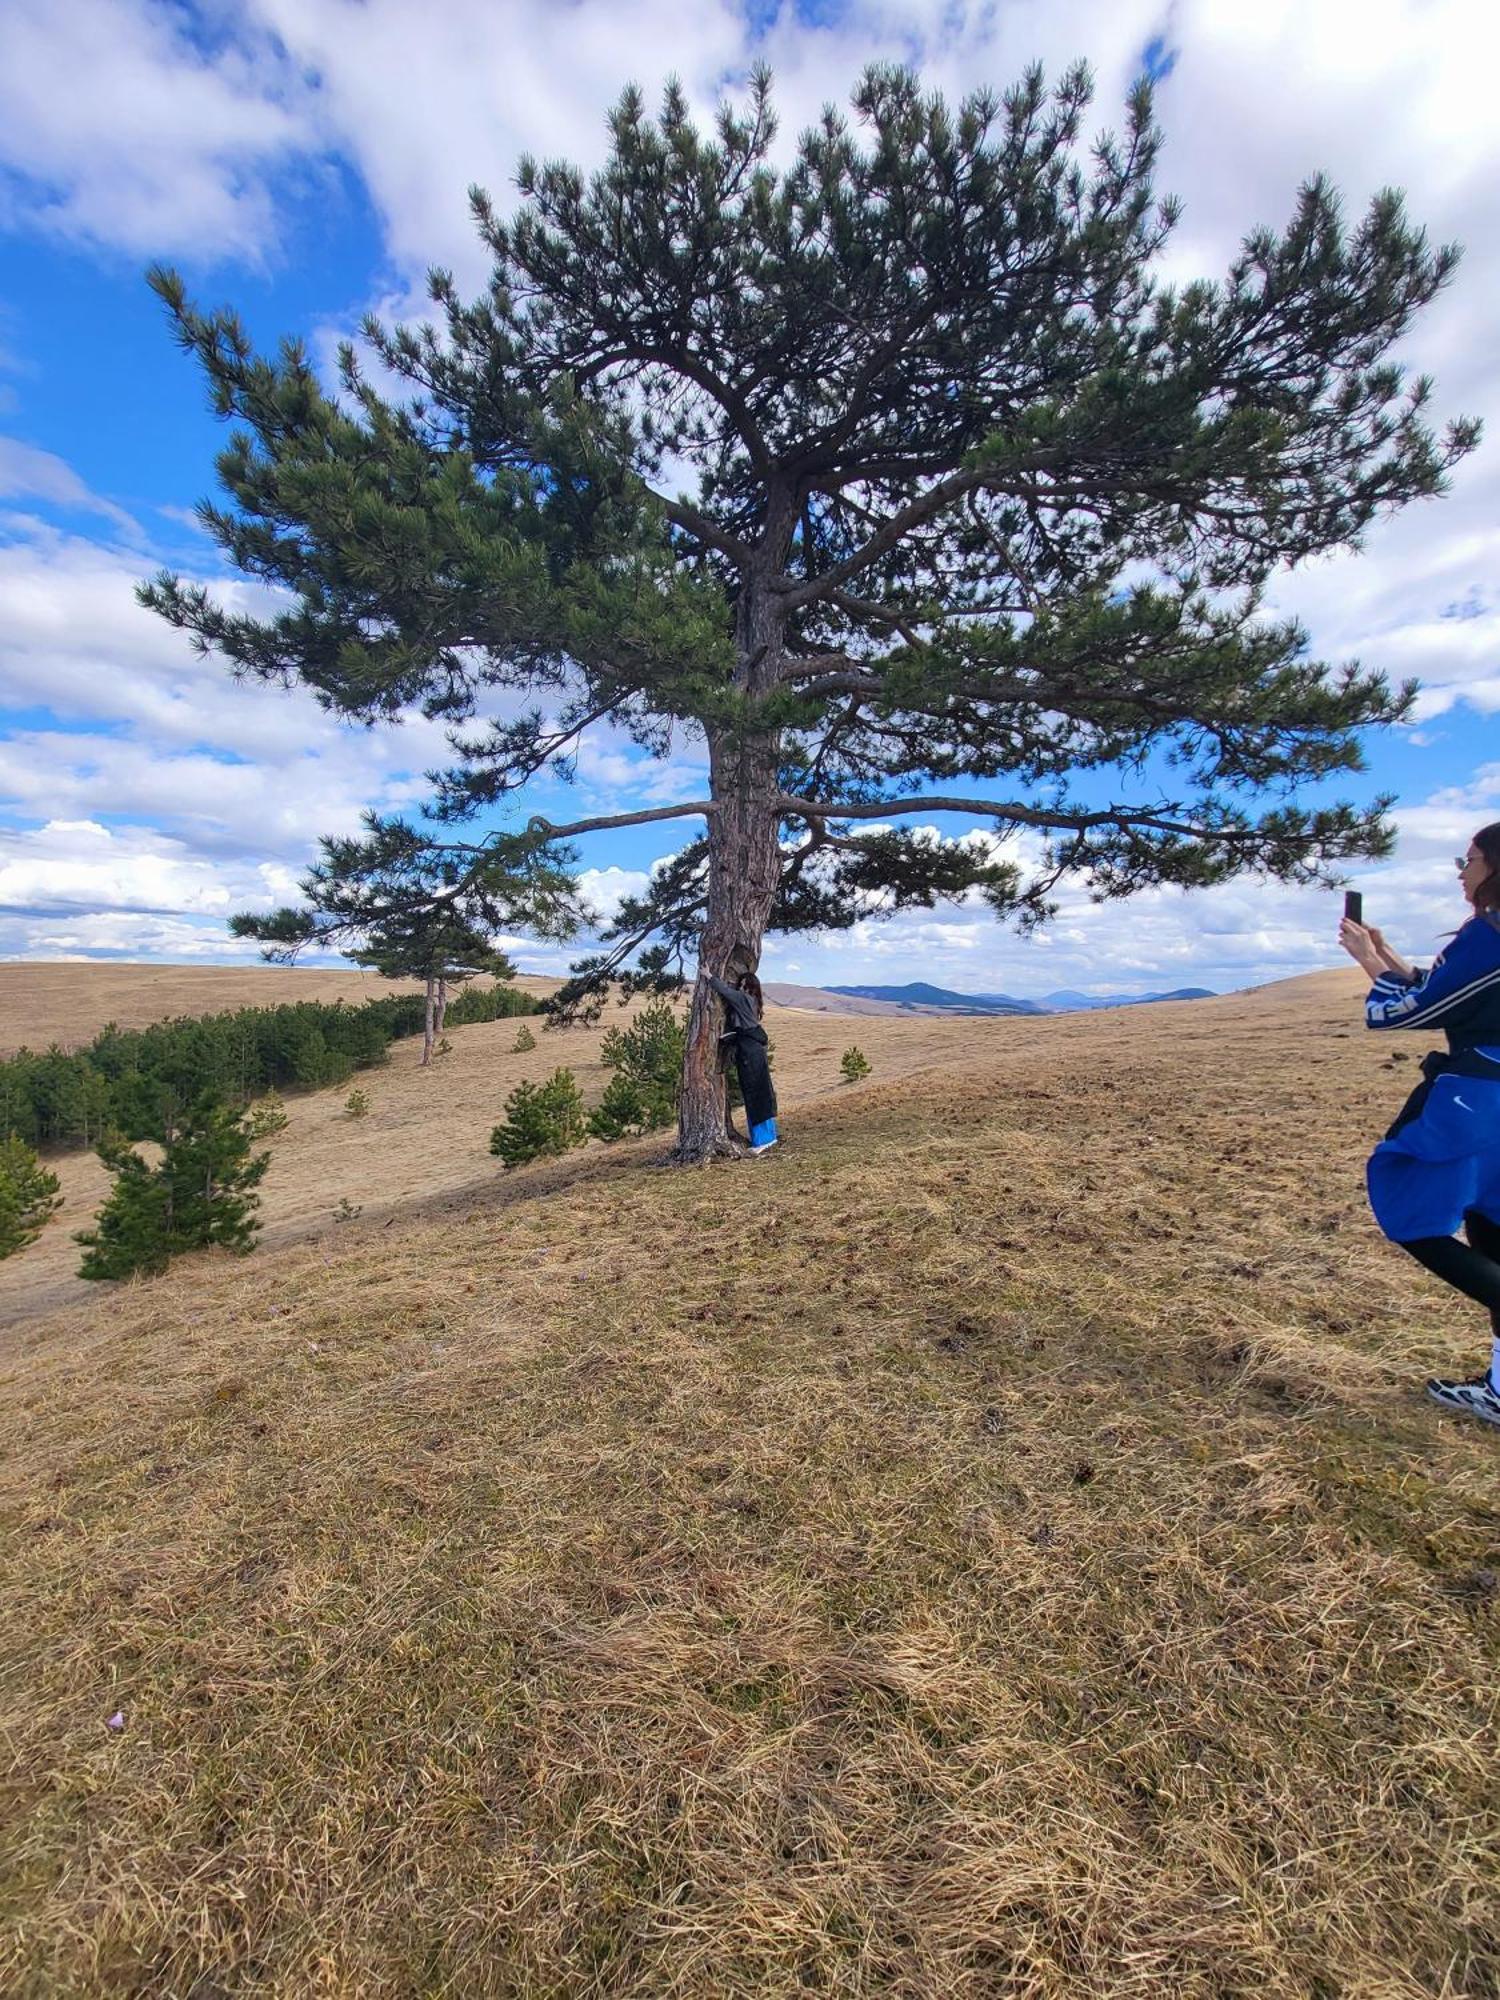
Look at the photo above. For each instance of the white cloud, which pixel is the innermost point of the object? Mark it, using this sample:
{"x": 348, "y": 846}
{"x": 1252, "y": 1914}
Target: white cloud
{"x": 604, "y": 889}
{"x": 97, "y": 934}
{"x": 119, "y": 125}
{"x": 81, "y": 865}
{"x": 27, "y": 473}
{"x": 479, "y": 86}
{"x": 168, "y": 733}
{"x": 1239, "y": 934}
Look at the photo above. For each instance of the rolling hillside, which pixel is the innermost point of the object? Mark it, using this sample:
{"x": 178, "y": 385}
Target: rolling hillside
{"x": 68, "y": 1002}
{"x": 993, "y": 1545}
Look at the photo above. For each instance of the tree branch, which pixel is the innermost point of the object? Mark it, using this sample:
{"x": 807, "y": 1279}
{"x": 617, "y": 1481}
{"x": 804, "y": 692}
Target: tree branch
{"x": 544, "y": 829}
{"x": 1008, "y": 809}
{"x": 933, "y": 501}
{"x": 708, "y": 532}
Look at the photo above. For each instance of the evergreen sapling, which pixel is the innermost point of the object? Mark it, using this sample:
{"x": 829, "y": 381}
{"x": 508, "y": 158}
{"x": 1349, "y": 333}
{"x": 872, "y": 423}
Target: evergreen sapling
{"x": 29, "y": 1196}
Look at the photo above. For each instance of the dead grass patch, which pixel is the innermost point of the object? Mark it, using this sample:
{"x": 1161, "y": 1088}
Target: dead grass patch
{"x": 989, "y": 1546}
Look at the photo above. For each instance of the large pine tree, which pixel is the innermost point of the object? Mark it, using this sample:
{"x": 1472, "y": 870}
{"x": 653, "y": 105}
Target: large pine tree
{"x": 896, "y": 473}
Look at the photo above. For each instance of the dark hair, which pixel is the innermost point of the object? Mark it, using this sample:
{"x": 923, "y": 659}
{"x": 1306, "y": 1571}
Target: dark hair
{"x": 751, "y": 985}
{"x": 1487, "y": 840}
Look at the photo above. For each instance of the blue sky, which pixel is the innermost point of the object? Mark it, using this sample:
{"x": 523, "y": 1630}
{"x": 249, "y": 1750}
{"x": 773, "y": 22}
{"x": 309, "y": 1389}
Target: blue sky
{"x": 307, "y": 159}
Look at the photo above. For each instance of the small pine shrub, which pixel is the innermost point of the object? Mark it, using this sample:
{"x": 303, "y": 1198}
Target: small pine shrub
{"x": 207, "y": 1166}
{"x": 647, "y": 1060}
{"x": 542, "y": 1120}
{"x": 444, "y": 1047}
{"x": 525, "y": 1041}
{"x": 622, "y": 1112}
{"x": 267, "y": 1116}
{"x": 853, "y": 1065}
{"x": 347, "y": 1209}
{"x": 132, "y": 1232}
{"x": 29, "y": 1196}
{"x": 357, "y": 1105}
{"x": 200, "y": 1196}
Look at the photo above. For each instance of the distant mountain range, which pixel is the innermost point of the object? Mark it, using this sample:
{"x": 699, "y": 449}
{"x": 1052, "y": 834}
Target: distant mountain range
{"x": 919, "y": 997}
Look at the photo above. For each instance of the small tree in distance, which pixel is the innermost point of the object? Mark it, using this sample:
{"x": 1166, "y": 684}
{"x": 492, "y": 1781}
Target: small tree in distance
{"x": 897, "y": 473}
{"x": 267, "y": 1116}
{"x": 29, "y": 1196}
{"x": 853, "y": 1064}
{"x": 200, "y": 1196}
{"x": 440, "y": 948}
{"x": 411, "y": 917}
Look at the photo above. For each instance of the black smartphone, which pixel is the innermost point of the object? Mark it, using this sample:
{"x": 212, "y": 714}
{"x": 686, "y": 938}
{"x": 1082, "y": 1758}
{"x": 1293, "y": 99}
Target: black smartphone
{"x": 1354, "y": 906}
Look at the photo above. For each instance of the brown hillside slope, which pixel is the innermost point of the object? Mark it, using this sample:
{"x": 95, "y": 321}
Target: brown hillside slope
{"x": 69, "y": 1002}
{"x": 427, "y": 1133}
{"x": 992, "y": 1545}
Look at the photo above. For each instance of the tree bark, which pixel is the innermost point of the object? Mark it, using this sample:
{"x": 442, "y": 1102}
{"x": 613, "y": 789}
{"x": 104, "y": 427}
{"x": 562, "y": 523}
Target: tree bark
{"x": 744, "y": 872}
{"x": 427, "y": 1035}
{"x": 442, "y": 1006}
{"x": 744, "y": 857}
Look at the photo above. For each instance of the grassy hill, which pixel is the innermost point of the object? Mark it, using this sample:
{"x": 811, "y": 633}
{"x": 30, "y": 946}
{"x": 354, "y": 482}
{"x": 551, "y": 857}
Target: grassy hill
{"x": 68, "y": 1001}
{"x": 993, "y": 1545}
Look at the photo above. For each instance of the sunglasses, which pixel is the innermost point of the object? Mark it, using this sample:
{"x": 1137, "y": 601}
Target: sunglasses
{"x": 1463, "y": 861}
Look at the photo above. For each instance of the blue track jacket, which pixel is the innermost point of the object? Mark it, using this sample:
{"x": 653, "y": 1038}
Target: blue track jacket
{"x": 1442, "y": 1155}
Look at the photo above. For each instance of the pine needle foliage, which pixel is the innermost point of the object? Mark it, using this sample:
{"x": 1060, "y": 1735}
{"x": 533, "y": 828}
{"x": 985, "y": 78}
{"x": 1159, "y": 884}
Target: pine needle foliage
{"x": 542, "y": 1120}
{"x": 29, "y": 1196}
{"x": 200, "y": 1196}
{"x": 132, "y": 1233}
{"x": 647, "y": 1058}
{"x": 267, "y": 1116}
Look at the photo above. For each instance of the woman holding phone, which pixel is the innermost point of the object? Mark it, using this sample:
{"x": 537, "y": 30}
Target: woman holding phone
{"x": 1438, "y": 1168}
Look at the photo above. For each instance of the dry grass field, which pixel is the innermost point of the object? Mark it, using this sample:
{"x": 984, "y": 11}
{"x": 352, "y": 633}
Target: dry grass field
{"x": 68, "y": 1002}
{"x": 993, "y": 1545}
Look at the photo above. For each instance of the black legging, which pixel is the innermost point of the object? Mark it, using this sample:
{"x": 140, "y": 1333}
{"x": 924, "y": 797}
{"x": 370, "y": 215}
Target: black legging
{"x": 1472, "y": 1268}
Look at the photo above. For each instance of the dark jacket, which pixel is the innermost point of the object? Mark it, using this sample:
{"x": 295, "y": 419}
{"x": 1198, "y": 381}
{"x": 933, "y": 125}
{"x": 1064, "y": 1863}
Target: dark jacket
{"x": 750, "y": 1062}
{"x": 742, "y": 1016}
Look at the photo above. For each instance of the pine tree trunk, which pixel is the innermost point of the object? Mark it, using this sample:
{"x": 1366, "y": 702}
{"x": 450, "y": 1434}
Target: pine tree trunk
{"x": 427, "y": 1035}
{"x": 442, "y": 1006}
{"x": 744, "y": 871}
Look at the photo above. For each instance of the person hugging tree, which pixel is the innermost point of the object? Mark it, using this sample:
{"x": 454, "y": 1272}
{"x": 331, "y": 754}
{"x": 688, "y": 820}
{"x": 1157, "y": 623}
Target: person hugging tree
{"x": 744, "y": 1005}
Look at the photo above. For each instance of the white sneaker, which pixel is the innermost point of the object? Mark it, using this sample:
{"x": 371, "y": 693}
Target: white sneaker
{"x": 1474, "y": 1399}
{"x": 765, "y": 1148}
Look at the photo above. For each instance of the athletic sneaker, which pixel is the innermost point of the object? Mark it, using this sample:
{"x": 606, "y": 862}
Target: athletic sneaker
{"x": 763, "y": 1149}
{"x": 1476, "y": 1399}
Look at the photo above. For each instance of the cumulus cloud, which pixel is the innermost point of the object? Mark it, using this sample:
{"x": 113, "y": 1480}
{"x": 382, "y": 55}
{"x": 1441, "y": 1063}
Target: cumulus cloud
{"x": 605, "y": 889}
{"x": 80, "y": 865}
{"x": 1239, "y": 934}
{"x": 27, "y": 473}
{"x": 166, "y": 730}
{"x": 140, "y": 128}
{"x": 129, "y": 935}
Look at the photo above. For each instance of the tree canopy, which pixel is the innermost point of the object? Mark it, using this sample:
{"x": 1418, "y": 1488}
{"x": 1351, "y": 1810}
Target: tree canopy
{"x": 897, "y": 473}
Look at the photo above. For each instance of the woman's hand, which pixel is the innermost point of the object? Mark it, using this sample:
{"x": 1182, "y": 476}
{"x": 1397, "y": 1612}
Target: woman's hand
{"x": 1392, "y": 959}
{"x": 1360, "y": 945}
